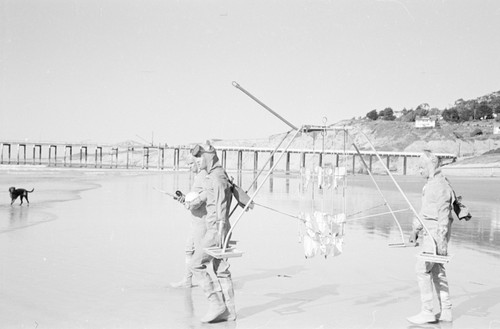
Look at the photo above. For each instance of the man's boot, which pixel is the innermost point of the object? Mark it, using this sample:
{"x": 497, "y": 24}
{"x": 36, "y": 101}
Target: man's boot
{"x": 226, "y": 285}
{"x": 422, "y": 318}
{"x": 216, "y": 307}
{"x": 187, "y": 281}
{"x": 445, "y": 315}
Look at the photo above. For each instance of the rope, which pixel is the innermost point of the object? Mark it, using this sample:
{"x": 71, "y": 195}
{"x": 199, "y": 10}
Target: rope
{"x": 261, "y": 170}
{"x": 380, "y": 214}
{"x": 380, "y": 192}
{"x": 361, "y": 211}
{"x": 280, "y": 212}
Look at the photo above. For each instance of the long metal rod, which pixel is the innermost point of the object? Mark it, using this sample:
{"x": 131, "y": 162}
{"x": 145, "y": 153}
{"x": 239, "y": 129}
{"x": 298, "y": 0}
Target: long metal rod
{"x": 260, "y": 172}
{"x": 267, "y": 161}
{"x": 165, "y": 192}
{"x": 381, "y": 194}
{"x": 235, "y": 84}
{"x": 257, "y": 191}
{"x": 401, "y": 191}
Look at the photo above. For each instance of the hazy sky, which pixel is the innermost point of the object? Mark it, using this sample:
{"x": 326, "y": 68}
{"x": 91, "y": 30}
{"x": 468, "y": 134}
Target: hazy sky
{"x": 114, "y": 70}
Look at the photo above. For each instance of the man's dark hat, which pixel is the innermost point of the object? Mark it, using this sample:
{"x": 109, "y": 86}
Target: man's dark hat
{"x": 197, "y": 151}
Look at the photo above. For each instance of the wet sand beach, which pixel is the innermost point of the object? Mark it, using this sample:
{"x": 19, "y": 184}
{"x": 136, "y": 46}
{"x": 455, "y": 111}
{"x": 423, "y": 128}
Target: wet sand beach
{"x": 98, "y": 249}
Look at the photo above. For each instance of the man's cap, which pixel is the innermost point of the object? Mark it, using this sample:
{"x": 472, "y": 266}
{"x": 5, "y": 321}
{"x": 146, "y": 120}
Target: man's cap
{"x": 197, "y": 151}
{"x": 431, "y": 158}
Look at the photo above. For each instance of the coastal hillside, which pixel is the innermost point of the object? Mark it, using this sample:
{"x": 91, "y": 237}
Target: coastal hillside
{"x": 460, "y": 138}
{"x": 472, "y": 142}
{"x": 466, "y": 129}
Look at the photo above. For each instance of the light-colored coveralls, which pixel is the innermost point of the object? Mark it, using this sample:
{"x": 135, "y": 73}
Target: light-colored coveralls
{"x": 436, "y": 212}
{"x": 197, "y": 227}
{"x": 218, "y": 202}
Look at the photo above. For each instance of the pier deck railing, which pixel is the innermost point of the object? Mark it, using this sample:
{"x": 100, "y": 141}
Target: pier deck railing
{"x": 148, "y": 157}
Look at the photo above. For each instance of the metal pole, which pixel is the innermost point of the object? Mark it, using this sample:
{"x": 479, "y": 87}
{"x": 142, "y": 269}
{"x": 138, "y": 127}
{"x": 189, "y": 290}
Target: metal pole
{"x": 402, "y": 193}
{"x": 381, "y": 194}
{"x": 235, "y": 84}
{"x": 256, "y": 192}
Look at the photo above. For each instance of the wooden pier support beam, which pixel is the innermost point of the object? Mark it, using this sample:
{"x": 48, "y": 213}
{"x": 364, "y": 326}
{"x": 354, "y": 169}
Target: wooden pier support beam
{"x": 255, "y": 161}
{"x": 2, "y": 155}
{"x": 224, "y": 159}
{"x": 271, "y": 161}
{"x": 240, "y": 161}
{"x": 337, "y": 160}
{"x": 287, "y": 165}
{"x": 371, "y": 162}
{"x": 320, "y": 160}
{"x": 24, "y": 153}
{"x": 114, "y": 155}
{"x": 161, "y": 158}
{"x": 98, "y": 156}
{"x": 129, "y": 149}
{"x": 302, "y": 160}
{"x": 145, "y": 158}
{"x": 388, "y": 162}
{"x": 66, "y": 148}
{"x": 39, "y": 153}
{"x": 176, "y": 158}
{"x": 404, "y": 164}
{"x": 83, "y": 155}
{"x": 53, "y": 147}
{"x": 354, "y": 164}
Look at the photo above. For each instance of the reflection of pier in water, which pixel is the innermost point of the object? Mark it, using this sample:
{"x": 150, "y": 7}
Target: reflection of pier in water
{"x": 481, "y": 233}
{"x": 160, "y": 157}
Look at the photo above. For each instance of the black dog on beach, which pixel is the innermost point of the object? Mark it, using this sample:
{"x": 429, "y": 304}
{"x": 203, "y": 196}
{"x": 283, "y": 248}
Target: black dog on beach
{"x": 19, "y": 192}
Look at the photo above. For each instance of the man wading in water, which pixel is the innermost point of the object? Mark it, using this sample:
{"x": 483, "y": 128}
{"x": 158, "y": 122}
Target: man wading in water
{"x": 436, "y": 211}
{"x": 217, "y": 195}
{"x": 198, "y": 229}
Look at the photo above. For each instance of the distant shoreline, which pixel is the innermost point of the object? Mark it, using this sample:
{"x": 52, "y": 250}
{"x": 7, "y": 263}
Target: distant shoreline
{"x": 462, "y": 170}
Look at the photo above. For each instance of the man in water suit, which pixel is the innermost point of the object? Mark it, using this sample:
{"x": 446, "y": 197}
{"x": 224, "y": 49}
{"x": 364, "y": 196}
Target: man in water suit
{"x": 218, "y": 196}
{"x": 436, "y": 212}
{"x": 198, "y": 228}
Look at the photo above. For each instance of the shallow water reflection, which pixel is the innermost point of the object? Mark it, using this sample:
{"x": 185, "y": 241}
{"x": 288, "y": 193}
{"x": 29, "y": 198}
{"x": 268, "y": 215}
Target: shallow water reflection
{"x": 17, "y": 217}
{"x": 363, "y": 200}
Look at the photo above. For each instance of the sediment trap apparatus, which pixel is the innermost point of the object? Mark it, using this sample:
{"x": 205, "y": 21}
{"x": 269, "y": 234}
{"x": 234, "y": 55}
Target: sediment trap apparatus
{"x": 322, "y": 230}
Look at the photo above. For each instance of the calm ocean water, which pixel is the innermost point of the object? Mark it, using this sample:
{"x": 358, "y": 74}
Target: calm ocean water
{"x": 284, "y": 195}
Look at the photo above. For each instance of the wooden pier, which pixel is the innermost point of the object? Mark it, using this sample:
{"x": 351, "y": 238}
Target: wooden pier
{"x": 175, "y": 157}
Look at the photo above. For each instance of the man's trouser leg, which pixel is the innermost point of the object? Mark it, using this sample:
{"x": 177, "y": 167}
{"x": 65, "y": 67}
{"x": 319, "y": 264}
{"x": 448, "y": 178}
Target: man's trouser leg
{"x": 193, "y": 243}
{"x": 228, "y": 294}
{"x": 200, "y": 263}
{"x": 221, "y": 268}
{"x": 187, "y": 280}
{"x": 443, "y": 293}
{"x": 216, "y": 306}
{"x": 424, "y": 279}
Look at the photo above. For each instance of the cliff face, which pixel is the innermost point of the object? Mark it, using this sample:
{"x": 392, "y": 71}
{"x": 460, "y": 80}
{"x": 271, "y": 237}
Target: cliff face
{"x": 396, "y": 136}
{"x": 401, "y": 136}
{"x": 447, "y": 138}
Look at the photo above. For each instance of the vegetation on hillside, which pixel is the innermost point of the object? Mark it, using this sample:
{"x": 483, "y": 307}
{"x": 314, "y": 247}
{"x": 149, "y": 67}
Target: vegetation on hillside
{"x": 481, "y": 108}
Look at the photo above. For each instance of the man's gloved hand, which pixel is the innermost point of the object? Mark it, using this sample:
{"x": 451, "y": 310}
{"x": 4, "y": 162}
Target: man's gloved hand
{"x": 442, "y": 246}
{"x": 179, "y": 196}
{"x": 413, "y": 237}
